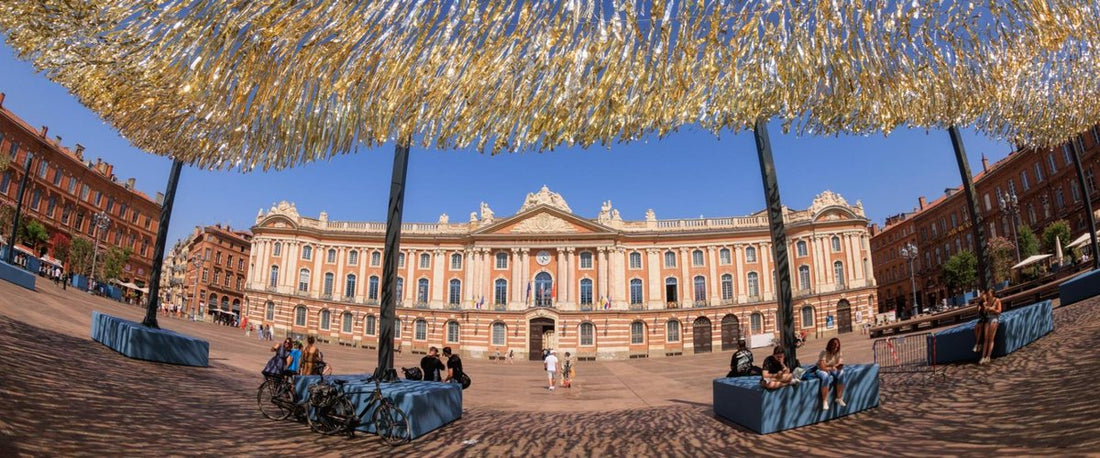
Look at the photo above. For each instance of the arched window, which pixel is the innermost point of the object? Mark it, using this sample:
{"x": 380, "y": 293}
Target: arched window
{"x": 396, "y": 328}
{"x": 838, "y": 273}
{"x": 425, "y": 261}
{"x": 756, "y": 321}
{"x": 801, "y": 247}
{"x": 500, "y": 291}
{"x": 353, "y": 257}
{"x": 376, "y": 258}
{"x": 300, "y": 315}
{"x": 269, "y": 313}
{"x": 586, "y": 259}
{"x": 588, "y": 334}
{"x": 636, "y": 291}
{"x": 212, "y": 302}
{"x": 372, "y": 288}
{"x": 307, "y": 252}
{"x": 727, "y": 287}
{"x": 670, "y": 259}
{"x": 700, "y": 288}
{"x": 422, "y": 290}
{"x": 637, "y": 333}
{"x": 274, "y": 276}
{"x": 803, "y": 278}
{"x": 454, "y": 295}
{"x": 456, "y": 261}
{"x": 452, "y": 332}
{"x": 303, "y": 280}
{"x": 349, "y": 286}
{"x": 502, "y": 260}
{"x": 807, "y": 316}
{"x": 326, "y": 319}
{"x": 369, "y": 325}
{"x": 400, "y": 290}
{"x": 672, "y": 331}
{"x": 586, "y": 291}
{"x": 347, "y": 322}
{"x": 420, "y": 330}
{"x": 500, "y": 334}
{"x": 724, "y": 256}
{"x": 635, "y": 260}
{"x": 331, "y": 256}
{"x": 836, "y": 240}
{"x": 277, "y": 250}
{"x": 697, "y": 258}
{"x": 671, "y": 290}
{"x": 750, "y": 254}
{"x": 754, "y": 284}
{"x": 400, "y": 260}
{"x": 329, "y": 279}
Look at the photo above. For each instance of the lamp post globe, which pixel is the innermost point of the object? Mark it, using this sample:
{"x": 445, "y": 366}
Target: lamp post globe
{"x": 909, "y": 253}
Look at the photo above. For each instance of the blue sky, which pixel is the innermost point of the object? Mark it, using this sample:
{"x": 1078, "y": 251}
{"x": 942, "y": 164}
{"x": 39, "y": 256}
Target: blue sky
{"x": 684, "y": 175}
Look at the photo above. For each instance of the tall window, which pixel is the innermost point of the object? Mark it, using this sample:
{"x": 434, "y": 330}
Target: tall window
{"x": 329, "y": 277}
{"x": 700, "y": 288}
{"x": 588, "y": 334}
{"x": 274, "y": 276}
{"x": 800, "y": 247}
{"x": 422, "y": 290}
{"x": 456, "y": 261}
{"x": 277, "y": 250}
{"x": 347, "y": 322}
{"x": 396, "y": 328}
{"x": 1024, "y": 180}
{"x": 372, "y": 288}
{"x": 420, "y": 330}
{"x": 586, "y": 259}
{"x": 635, "y": 260}
{"x": 400, "y": 289}
{"x": 1067, "y": 155}
{"x": 635, "y": 291}
{"x": 750, "y": 254}
{"x": 303, "y": 280}
{"x": 500, "y": 333}
{"x": 1038, "y": 172}
{"x": 727, "y": 287}
{"x": 670, "y": 259}
{"x": 300, "y": 315}
{"x": 672, "y": 331}
{"x": 697, "y": 258}
{"x": 349, "y": 286}
{"x": 637, "y": 333}
{"x": 838, "y": 273}
{"x": 452, "y": 332}
{"x": 269, "y": 313}
{"x": 756, "y": 321}
{"x": 500, "y": 291}
{"x": 455, "y": 292}
{"x": 807, "y": 316}
{"x": 425, "y": 261}
{"x": 369, "y": 325}
{"x": 331, "y": 257}
{"x": 586, "y": 291}
{"x": 836, "y": 244}
{"x": 754, "y": 284}
{"x": 724, "y": 257}
{"x": 502, "y": 260}
{"x": 353, "y": 257}
{"x": 671, "y": 290}
{"x": 803, "y": 278}
{"x": 307, "y": 252}
{"x": 205, "y": 274}
{"x": 326, "y": 318}
{"x": 400, "y": 260}
{"x": 376, "y": 259}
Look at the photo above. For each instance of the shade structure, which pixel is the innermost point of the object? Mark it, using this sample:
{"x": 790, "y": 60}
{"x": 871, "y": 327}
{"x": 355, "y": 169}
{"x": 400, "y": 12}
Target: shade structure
{"x": 1080, "y": 241}
{"x": 1058, "y": 249}
{"x": 1031, "y": 260}
{"x": 271, "y": 83}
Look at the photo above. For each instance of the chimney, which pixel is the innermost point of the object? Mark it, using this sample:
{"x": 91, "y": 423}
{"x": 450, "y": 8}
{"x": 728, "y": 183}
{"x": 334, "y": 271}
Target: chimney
{"x": 985, "y": 163}
{"x": 160, "y": 198}
{"x": 949, "y": 191}
{"x": 2, "y": 95}
{"x": 130, "y": 183}
{"x": 44, "y": 130}
{"x": 79, "y": 152}
{"x": 923, "y": 202}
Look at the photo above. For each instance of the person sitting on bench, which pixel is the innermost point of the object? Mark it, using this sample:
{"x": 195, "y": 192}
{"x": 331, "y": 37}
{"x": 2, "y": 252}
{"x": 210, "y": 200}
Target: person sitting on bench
{"x": 741, "y": 362}
{"x": 830, "y": 369}
{"x": 775, "y": 373}
{"x": 989, "y": 314}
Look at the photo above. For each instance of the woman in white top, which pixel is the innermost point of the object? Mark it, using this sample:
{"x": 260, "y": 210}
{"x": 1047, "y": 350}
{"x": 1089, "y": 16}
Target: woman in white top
{"x": 830, "y": 369}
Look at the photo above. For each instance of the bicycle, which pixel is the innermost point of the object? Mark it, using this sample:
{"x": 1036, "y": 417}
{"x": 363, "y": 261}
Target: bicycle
{"x": 276, "y": 397}
{"x": 331, "y": 412}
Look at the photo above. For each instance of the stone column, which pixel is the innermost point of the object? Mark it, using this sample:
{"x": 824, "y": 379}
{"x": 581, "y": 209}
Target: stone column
{"x": 742, "y": 270}
{"x": 288, "y": 266}
{"x": 618, "y": 278}
{"x": 653, "y": 271}
{"x": 469, "y": 273}
{"x": 559, "y": 278}
{"x": 566, "y": 289}
{"x": 364, "y": 279}
{"x": 854, "y": 269}
{"x": 763, "y": 252}
{"x": 317, "y": 276}
{"x": 517, "y": 281}
{"x": 525, "y": 274}
{"x": 339, "y": 288}
{"x": 715, "y": 288}
{"x": 685, "y": 284}
{"x": 410, "y": 280}
{"x": 439, "y": 260}
{"x": 601, "y": 275}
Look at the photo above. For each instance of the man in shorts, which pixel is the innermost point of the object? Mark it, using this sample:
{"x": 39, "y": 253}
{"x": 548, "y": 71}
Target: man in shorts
{"x": 551, "y": 366}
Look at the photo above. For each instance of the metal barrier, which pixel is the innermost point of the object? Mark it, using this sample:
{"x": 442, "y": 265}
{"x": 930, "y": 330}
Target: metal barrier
{"x": 913, "y": 353}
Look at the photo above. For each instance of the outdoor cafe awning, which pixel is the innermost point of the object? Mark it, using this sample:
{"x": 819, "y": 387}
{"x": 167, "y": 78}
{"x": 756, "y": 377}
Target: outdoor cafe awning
{"x": 50, "y": 260}
{"x": 133, "y": 287}
{"x": 1079, "y": 241}
{"x": 1032, "y": 260}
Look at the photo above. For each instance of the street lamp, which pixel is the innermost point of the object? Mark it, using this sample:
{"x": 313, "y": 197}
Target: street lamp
{"x": 909, "y": 252}
{"x": 1009, "y": 204}
{"x": 196, "y": 261}
{"x": 101, "y": 221}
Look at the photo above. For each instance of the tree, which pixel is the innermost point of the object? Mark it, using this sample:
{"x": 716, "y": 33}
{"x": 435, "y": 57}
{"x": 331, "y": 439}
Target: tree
{"x": 33, "y": 234}
{"x": 1057, "y": 230}
{"x": 1029, "y": 244}
{"x": 1002, "y": 256}
{"x": 80, "y": 256}
{"x": 7, "y": 215}
{"x": 113, "y": 261}
{"x": 960, "y": 271}
{"x": 61, "y": 245}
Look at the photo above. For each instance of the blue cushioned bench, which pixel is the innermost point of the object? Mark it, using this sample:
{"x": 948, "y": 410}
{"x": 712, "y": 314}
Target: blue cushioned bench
{"x": 140, "y": 342}
{"x": 429, "y": 405}
{"x": 1080, "y": 288}
{"x": 17, "y": 275}
{"x": 1016, "y": 329}
{"x": 743, "y": 401}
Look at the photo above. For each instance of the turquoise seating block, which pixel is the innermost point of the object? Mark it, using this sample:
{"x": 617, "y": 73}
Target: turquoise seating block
{"x": 140, "y": 342}
{"x": 1016, "y": 329}
{"x": 1080, "y": 288}
{"x": 428, "y": 405}
{"x": 17, "y": 275}
{"x": 743, "y": 401}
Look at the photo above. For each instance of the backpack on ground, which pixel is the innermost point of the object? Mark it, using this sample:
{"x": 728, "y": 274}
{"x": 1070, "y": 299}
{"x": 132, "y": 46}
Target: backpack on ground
{"x": 413, "y": 373}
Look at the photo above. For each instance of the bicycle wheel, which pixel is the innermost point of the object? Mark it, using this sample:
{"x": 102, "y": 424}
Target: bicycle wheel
{"x": 333, "y": 419}
{"x": 274, "y": 400}
{"x": 391, "y": 424}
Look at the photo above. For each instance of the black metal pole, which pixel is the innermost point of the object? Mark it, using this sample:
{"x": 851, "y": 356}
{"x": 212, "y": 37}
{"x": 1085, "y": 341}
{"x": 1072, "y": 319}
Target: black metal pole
{"x": 985, "y": 274}
{"x": 779, "y": 240}
{"x": 385, "y": 369}
{"x": 18, "y": 210}
{"x": 1077, "y": 147}
{"x": 158, "y": 248}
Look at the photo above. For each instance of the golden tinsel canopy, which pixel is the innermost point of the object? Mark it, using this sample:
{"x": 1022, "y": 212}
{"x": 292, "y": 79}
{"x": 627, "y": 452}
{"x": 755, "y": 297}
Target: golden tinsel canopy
{"x": 274, "y": 83}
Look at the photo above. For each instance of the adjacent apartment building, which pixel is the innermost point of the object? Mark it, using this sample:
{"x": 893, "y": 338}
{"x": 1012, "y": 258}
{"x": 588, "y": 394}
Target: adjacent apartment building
{"x": 214, "y": 266}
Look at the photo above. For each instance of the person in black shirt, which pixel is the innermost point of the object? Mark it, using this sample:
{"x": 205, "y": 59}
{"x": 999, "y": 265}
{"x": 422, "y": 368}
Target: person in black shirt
{"x": 741, "y": 362}
{"x": 454, "y": 366}
{"x": 776, "y": 374}
{"x": 431, "y": 365}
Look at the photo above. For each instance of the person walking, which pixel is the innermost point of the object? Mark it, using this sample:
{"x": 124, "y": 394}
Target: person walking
{"x": 550, "y": 364}
{"x": 567, "y": 371}
{"x": 511, "y": 356}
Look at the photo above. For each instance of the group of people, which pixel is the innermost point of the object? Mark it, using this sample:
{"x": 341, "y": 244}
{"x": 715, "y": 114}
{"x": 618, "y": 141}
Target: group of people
{"x": 775, "y": 374}
{"x": 436, "y": 371}
{"x": 550, "y": 364}
{"x": 292, "y": 358}
{"x": 54, "y": 273}
{"x": 262, "y": 333}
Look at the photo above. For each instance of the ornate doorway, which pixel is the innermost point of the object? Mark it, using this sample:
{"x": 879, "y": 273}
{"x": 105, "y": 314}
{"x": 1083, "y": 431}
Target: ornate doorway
{"x": 540, "y": 329}
{"x": 700, "y": 333}
{"x": 843, "y": 317}
{"x": 731, "y": 330}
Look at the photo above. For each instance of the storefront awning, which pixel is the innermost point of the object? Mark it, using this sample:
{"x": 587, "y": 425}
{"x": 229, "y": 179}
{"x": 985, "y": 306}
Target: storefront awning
{"x": 1032, "y": 260}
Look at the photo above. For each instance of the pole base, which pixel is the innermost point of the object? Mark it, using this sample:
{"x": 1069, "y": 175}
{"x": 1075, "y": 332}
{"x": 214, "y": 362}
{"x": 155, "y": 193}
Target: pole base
{"x": 386, "y": 375}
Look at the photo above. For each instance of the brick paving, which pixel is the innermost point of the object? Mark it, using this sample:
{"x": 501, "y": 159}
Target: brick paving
{"x": 67, "y": 395}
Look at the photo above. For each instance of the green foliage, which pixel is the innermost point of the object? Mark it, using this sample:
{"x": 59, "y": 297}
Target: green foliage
{"x": 80, "y": 256}
{"x": 113, "y": 261}
{"x": 1002, "y": 255}
{"x": 960, "y": 271}
{"x": 33, "y": 234}
{"x": 1029, "y": 244}
{"x": 1056, "y": 230}
{"x": 7, "y": 214}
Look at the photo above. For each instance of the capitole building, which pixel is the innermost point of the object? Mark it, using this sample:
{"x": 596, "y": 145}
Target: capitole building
{"x": 603, "y": 288}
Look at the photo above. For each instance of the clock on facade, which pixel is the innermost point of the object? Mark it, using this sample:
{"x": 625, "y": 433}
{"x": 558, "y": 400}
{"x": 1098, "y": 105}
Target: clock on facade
{"x": 543, "y": 258}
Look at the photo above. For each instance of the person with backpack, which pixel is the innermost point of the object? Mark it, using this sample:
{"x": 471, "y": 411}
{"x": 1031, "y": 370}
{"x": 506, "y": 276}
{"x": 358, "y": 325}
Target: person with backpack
{"x": 431, "y": 365}
{"x": 741, "y": 362}
{"x": 454, "y": 367}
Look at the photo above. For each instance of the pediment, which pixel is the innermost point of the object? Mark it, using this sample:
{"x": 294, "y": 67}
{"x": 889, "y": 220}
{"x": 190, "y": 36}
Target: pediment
{"x": 544, "y": 220}
{"x": 835, "y": 214}
{"x": 277, "y": 221}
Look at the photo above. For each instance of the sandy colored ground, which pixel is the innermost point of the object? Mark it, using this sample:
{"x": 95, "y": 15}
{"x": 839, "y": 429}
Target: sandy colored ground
{"x": 67, "y": 395}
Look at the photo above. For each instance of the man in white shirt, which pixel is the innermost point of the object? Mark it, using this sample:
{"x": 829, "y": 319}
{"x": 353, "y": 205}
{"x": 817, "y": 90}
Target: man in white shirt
{"x": 551, "y": 366}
